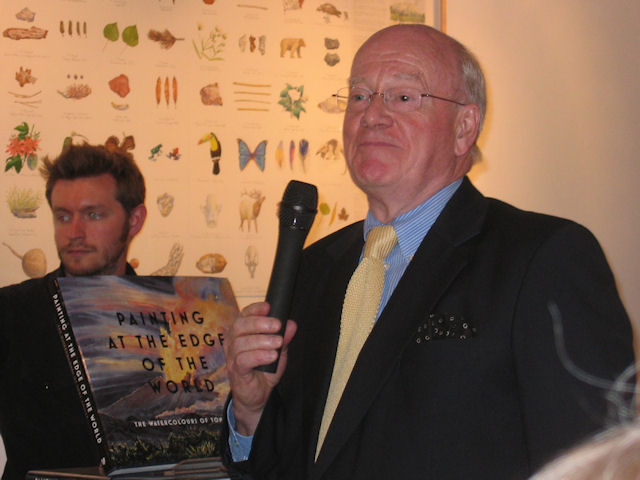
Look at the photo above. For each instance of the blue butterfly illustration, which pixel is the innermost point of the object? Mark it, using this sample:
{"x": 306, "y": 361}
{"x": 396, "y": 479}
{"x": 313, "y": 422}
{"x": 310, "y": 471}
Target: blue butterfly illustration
{"x": 244, "y": 154}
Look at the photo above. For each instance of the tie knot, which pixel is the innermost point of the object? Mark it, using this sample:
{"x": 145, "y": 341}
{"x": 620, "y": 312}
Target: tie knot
{"x": 380, "y": 242}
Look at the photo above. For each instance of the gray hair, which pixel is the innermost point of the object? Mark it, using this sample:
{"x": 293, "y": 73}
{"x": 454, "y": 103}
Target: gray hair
{"x": 474, "y": 86}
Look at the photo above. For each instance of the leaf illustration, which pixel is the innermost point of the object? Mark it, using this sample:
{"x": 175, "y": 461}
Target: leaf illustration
{"x": 130, "y": 35}
{"x": 110, "y": 32}
{"x": 13, "y": 162}
{"x": 22, "y": 130}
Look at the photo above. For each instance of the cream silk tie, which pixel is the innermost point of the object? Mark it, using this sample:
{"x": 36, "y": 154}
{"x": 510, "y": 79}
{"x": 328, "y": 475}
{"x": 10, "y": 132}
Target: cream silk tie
{"x": 361, "y": 303}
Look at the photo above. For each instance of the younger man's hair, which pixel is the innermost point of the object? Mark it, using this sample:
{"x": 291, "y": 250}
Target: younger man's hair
{"x": 81, "y": 161}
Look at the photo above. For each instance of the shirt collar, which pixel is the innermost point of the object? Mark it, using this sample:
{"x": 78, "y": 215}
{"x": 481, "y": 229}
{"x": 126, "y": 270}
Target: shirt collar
{"x": 411, "y": 227}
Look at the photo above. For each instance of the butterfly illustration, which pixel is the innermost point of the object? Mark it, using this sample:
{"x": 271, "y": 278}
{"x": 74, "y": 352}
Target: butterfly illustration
{"x": 244, "y": 154}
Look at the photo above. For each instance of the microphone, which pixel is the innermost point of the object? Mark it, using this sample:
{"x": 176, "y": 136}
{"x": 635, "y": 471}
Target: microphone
{"x": 297, "y": 211}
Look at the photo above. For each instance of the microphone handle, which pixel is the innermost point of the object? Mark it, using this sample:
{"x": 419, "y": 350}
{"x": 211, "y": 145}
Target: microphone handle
{"x": 282, "y": 281}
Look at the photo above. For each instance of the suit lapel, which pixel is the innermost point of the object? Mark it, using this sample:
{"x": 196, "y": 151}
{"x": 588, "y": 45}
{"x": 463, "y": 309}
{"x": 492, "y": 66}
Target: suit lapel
{"x": 437, "y": 262}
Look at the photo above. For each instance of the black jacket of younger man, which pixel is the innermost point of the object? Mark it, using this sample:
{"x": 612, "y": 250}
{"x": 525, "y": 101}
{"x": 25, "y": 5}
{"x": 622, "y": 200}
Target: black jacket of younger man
{"x": 41, "y": 418}
{"x": 495, "y": 404}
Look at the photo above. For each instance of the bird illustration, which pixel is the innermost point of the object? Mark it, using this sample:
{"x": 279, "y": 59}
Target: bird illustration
{"x": 215, "y": 150}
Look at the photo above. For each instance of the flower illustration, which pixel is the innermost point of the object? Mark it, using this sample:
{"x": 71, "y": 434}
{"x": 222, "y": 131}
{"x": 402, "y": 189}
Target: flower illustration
{"x": 293, "y": 99}
{"x": 22, "y": 148}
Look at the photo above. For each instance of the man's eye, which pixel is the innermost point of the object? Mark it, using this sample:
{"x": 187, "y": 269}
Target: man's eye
{"x": 94, "y": 216}
{"x": 358, "y": 96}
{"x": 62, "y": 218}
{"x": 403, "y": 97}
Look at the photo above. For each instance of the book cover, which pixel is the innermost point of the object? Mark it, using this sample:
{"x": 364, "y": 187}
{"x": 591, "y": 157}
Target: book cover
{"x": 148, "y": 360}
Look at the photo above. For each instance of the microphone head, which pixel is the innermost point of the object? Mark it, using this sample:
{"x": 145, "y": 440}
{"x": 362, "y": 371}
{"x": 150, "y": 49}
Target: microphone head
{"x": 299, "y": 205}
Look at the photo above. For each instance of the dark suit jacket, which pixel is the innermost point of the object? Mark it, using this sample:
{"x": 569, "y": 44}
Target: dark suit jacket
{"x": 495, "y": 402}
{"x": 41, "y": 418}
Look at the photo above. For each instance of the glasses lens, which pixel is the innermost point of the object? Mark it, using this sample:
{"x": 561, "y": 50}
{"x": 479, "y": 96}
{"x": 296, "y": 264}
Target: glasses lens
{"x": 396, "y": 99}
{"x": 403, "y": 99}
{"x": 357, "y": 98}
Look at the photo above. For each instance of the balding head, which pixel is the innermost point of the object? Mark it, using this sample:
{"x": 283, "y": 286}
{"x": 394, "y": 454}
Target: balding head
{"x": 448, "y": 60}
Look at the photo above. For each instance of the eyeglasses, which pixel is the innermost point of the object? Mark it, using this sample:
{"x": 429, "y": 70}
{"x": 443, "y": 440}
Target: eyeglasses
{"x": 398, "y": 99}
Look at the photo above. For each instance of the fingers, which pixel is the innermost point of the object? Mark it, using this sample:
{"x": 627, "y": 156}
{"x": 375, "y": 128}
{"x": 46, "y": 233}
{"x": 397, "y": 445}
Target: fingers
{"x": 289, "y": 333}
{"x": 252, "y": 339}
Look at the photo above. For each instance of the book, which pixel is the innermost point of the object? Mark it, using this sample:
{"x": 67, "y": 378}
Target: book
{"x": 147, "y": 355}
{"x": 200, "y": 469}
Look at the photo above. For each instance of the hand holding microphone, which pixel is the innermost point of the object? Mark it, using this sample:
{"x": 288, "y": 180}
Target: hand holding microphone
{"x": 297, "y": 212}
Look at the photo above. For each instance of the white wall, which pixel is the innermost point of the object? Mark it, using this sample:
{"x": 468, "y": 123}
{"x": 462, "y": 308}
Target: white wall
{"x": 563, "y": 131}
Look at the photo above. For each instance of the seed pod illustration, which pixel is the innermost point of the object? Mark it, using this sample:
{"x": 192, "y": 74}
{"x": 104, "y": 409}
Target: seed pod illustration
{"x": 175, "y": 91}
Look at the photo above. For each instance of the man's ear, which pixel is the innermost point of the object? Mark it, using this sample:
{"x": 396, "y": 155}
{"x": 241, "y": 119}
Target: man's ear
{"x": 467, "y": 128}
{"x": 137, "y": 217}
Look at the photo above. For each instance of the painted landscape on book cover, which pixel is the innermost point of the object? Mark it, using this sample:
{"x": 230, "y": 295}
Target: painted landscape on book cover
{"x": 153, "y": 357}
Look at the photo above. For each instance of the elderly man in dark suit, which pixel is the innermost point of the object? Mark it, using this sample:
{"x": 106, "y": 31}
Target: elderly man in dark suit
{"x": 459, "y": 376}
{"x": 97, "y": 200}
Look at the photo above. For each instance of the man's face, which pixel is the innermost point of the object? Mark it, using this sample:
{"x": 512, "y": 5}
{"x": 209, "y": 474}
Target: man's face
{"x": 91, "y": 226}
{"x": 402, "y": 157}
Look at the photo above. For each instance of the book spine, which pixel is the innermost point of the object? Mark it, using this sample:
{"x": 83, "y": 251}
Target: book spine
{"x": 79, "y": 373}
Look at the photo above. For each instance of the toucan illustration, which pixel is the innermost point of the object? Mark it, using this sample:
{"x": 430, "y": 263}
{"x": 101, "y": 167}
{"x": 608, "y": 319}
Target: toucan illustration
{"x": 215, "y": 150}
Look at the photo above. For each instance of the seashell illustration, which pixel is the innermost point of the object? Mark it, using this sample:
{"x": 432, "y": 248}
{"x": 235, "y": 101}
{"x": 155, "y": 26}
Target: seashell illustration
{"x": 211, "y": 263}
{"x": 165, "y": 204}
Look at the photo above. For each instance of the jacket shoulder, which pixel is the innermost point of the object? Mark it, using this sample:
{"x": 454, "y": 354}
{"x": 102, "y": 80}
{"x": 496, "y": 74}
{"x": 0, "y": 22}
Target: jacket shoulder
{"x": 336, "y": 241}
{"x": 23, "y": 290}
{"x": 521, "y": 224}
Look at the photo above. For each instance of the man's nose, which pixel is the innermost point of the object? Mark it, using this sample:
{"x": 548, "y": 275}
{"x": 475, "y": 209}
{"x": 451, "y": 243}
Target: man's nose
{"x": 76, "y": 227}
{"x": 376, "y": 113}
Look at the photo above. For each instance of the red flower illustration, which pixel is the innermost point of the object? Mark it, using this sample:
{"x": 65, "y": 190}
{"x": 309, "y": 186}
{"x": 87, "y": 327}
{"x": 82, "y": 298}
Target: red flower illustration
{"x": 22, "y": 148}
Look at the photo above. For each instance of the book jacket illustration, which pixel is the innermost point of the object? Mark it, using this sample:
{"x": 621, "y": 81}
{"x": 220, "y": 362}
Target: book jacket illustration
{"x": 148, "y": 359}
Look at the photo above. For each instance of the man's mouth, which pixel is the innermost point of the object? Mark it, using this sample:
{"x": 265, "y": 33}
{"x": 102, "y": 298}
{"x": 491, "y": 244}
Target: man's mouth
{"x": 77, "y": 250}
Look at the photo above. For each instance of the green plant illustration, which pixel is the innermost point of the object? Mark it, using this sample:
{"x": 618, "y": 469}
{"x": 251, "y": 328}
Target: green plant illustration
{"x": 292, "y": 99}
{"x": 211, "y": 47}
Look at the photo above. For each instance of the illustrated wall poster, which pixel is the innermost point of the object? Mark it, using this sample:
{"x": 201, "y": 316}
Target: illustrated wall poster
{"x": 221, "y": 102}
